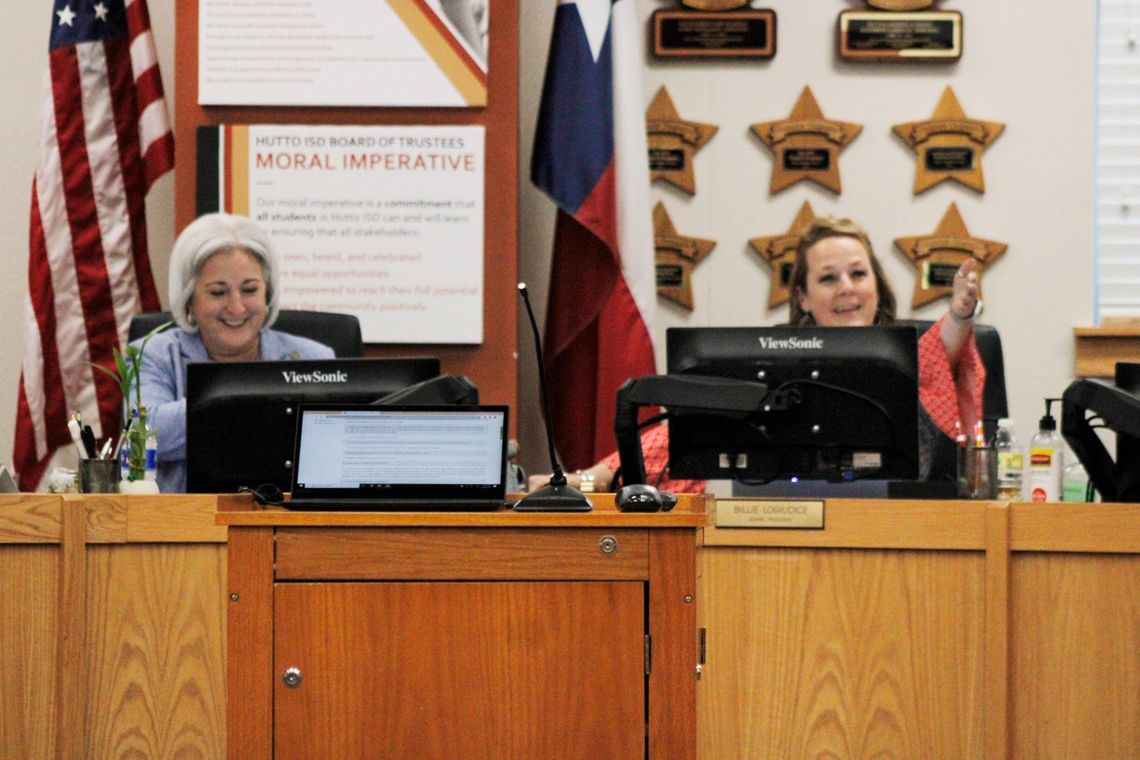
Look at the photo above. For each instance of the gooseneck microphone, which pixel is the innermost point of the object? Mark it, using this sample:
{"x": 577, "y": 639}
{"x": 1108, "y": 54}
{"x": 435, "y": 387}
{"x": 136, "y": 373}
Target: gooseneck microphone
{"x": 557, "y": 495}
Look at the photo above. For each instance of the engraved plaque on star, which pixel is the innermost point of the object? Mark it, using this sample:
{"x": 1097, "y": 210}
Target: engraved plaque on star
{"x": 938, "y": 256}
{"x": 714, "y": 29}
{"x": 779, "y": 251}
{"x": 949, "y": 145}
{"x": 675, "y": 256}
{"x": 949, "y": 159}
{"x": 806, "y": 145}
{"x": 672, "y": 143}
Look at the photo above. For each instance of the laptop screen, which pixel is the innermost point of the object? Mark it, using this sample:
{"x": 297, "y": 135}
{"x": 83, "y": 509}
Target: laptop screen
{"x": 400, "y": 452}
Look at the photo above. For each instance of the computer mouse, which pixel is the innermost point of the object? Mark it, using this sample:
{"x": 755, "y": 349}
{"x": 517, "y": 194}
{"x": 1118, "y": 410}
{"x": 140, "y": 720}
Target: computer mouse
{"x": 643, "y": 498}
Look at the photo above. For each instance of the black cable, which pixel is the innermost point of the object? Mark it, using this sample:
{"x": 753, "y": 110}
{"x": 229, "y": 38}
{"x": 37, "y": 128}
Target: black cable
{"x": 267, "y": 494}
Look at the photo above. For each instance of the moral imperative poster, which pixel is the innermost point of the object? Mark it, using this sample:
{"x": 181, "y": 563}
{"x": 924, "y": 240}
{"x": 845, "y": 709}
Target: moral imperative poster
{"x": 382, "y": 222}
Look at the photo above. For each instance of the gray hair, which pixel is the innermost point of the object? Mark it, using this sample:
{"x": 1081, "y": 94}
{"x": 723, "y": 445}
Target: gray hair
{"x": 210, "y": 234}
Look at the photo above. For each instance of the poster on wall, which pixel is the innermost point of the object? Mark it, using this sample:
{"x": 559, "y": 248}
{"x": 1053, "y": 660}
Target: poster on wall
{"x": 419, "y": 53}
{"x": 382, "y": 222}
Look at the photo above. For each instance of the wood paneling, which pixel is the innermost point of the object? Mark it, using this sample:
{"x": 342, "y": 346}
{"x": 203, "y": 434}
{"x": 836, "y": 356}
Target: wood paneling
{"x": 1075, "y": 656}
{"x": 459, "y": 553}
{"x": 1098, "y": 349}
{"x": 1026, "y": 645}
{"x": 675, "y": 650}
{"x": 71, "y": 676}
{"x": 29, "y": 519}
{"x": 449, "y": 670}
{"x": 1029, "y": 639}
{"x": 1074, "y": 528}
{"x": 29, "y": 627}
{"x": 249, "y": 653}
{"x": 996, "y": 658}
{"x": 110, "y": 649}
{"x": 155, "y": 651}
{"x": 842, "y": 653}
{"x": 864, "y": 523}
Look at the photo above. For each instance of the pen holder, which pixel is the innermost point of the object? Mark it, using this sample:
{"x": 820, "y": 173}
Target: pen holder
{"x": 977, "y": 472}
{"x": 99, "y": 475}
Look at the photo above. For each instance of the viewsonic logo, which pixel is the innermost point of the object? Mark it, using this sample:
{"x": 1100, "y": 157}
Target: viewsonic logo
{"x": 791, "y": 344}
{"x": 293, "y": 377}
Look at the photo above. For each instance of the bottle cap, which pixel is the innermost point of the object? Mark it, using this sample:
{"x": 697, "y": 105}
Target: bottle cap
{"x": 1048, "y": 422}
{"x": 1005, "y": 422}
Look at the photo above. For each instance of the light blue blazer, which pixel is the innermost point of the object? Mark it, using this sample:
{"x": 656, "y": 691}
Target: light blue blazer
{"x": 163, "y": 376}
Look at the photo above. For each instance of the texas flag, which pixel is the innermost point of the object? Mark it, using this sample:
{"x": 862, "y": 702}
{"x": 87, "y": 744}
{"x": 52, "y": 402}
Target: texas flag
{"x": 590, "y": 157}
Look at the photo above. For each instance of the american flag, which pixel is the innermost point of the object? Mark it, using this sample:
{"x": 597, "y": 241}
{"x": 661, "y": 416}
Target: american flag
{"x": 105, "y": 139}
{"x": 590, "y": 157}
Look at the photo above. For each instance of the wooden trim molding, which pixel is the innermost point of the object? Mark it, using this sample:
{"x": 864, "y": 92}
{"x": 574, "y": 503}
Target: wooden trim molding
{"x": 1098, "y": 349}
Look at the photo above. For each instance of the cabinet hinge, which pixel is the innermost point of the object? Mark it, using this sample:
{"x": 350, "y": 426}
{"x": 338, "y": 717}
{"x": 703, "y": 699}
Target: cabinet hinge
{"x": 702, "y": 634}
{"x": 648, "y": 654}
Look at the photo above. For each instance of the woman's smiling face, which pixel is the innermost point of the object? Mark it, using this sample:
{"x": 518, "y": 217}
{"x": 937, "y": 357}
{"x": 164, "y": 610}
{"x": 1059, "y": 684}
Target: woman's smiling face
{"x": 841, "y": 289}
{"x": 229, "y": 305}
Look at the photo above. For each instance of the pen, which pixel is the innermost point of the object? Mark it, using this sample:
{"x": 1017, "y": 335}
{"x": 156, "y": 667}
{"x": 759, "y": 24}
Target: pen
{"x": 106, "y": 450}
{"x": 122, "y": 437}
{"x": 88, "y": 437}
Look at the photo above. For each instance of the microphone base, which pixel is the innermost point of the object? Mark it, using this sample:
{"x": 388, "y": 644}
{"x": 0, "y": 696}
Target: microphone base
{"x": 552, "y": 498}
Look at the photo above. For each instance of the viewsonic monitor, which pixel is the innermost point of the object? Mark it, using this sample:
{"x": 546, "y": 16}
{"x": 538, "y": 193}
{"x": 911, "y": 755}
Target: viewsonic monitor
{"x": 241, "y": 416}
{"x": 842, "y": 404}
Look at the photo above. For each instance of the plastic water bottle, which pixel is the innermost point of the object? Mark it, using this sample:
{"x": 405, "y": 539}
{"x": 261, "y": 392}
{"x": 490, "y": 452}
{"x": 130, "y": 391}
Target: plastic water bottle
{"x": 1074, "y": 480}
{"x": 1046, "y": 452}
{"x": 151, "y": 471}
{"x": 1009, "y": 461}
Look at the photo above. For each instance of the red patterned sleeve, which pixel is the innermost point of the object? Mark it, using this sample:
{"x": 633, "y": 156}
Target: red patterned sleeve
{"x": 655, "y": 445}
{"x": 950, "y": 397}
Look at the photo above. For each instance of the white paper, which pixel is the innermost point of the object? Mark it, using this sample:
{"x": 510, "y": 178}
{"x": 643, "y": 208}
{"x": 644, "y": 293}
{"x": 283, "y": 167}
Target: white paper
{"x": 382, "y": 222}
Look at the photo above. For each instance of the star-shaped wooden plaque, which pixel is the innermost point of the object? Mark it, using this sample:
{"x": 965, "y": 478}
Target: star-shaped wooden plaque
{"x": 672, "y": 143}
{"x": 780, "y": 253}
{"x": 675, "y": 257}
{"x": 938, "y": 255}
{"x": 949, "y": 145}
{"x": 806, "y": 145}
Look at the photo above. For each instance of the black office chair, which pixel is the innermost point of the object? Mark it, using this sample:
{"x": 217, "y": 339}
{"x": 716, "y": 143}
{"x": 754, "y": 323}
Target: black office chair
{"x": 340, "y": 332}
{"x": 994, "y": 404}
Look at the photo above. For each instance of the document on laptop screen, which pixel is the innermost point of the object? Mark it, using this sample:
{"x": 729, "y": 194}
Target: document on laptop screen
{"x": 354, "y": 448}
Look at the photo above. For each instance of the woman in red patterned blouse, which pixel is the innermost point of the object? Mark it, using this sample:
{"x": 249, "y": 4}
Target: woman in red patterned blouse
{"x": 837, "y": 281}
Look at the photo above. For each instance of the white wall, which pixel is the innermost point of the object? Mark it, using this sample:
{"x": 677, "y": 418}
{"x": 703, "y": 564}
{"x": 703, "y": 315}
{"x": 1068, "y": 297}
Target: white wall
{"x": 1028, "y": 64}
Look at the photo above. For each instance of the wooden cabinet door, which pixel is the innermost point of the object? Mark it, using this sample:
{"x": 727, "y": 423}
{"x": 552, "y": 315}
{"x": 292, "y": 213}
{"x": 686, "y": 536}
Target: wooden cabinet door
{"x": 493, "y": 670}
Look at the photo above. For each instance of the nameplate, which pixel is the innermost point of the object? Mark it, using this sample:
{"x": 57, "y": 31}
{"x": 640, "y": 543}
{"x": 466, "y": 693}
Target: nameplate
{"x": 768, "y": 513}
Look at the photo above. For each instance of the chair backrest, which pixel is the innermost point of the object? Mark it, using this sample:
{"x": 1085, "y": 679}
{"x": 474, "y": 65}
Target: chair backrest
{"x": 994, "y": 405}
{"x": 340, "y": 332}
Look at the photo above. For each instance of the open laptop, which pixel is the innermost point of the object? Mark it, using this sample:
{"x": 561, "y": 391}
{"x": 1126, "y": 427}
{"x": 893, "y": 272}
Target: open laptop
{"x": 363, "y": 457}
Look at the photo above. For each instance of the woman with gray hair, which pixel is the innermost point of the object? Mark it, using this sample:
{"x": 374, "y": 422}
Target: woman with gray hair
{"x": 224, "y": 294}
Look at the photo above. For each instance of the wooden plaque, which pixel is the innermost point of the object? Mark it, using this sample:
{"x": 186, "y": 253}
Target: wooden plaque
{"x": 930, "y": 36}
{"x": 746, "y": 33}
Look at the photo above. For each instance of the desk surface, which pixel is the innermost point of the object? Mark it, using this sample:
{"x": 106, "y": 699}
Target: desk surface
{"x": 242, "y": 510}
